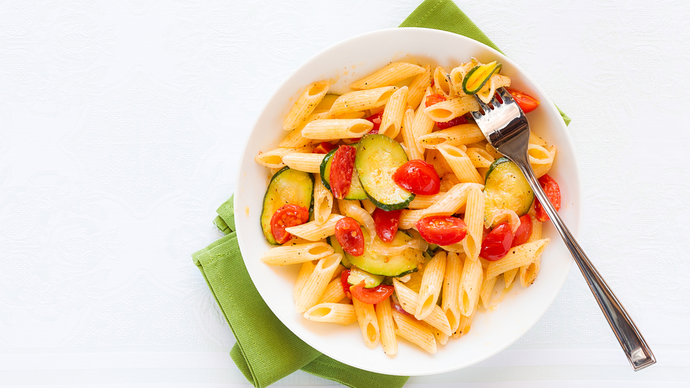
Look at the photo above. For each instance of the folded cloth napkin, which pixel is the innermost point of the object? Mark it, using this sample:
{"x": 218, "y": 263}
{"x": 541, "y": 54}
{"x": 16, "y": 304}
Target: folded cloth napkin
{"x": 266, "y": 351}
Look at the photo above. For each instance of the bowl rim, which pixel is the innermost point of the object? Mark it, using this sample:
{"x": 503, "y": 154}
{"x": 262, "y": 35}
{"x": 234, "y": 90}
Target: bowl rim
{"x": 577, "y": 197}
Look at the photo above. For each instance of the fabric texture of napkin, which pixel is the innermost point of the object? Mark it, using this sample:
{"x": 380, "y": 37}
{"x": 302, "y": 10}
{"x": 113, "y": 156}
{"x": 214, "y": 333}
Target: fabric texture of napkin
{"x": 266, "y": 351}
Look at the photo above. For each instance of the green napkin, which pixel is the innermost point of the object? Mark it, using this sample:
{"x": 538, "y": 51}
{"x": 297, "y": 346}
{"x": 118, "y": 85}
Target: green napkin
{"x": 266, "y": 351}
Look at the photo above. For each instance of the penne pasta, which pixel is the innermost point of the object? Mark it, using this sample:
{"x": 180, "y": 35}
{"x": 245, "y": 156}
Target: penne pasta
{"x": 448, "y": 180}
{"x": 541, "y": 159}
{"x": 368, "y": 323}
{"x": 384, "y": 316}
{"x": 408, "y": 218}
{"x": 519, "y": 256}
{"x": 460, "y": 163}
{"x": 313, "y": 231}
{"x": 305, "y": 105}
{"x": 323, "y": 201}
{"x": 422, "y": 124}
{"x": 457, "y": 135}
{"x": 361, "y": 100}
{"x": 296, "y": 254}
{"x": 418, "y": 88}
{"x": 274, "y": 157}
{"x": 389, "y": 75}
{"x": 465, "y": 323}
{"x": 408, "y": 301}
{"x": 424, "y": 201}
{"x": 330, "y": 129}
{"x": 442, "y": 83}
{"x": 409, "y": 136}
{"x": 457, "y": 75}
{"x": 434, "y": 158}
{"x": 528, "y": 273}
{"x": 432, "y": 282}
{"x": 470, "y": 286}
{"x": 455, "y": 107}
{"x": 304, "y": 162}
{"x": 392, "y": 118}
{"x": 343, "y": 314}
{"x": 302, "y": 278}
{"x": 450, "y": 203}
{"x": 451, "y": 290}
{"x": 413, "y": 331}
{"x": 509, "y": 276}
{"x": 496, "y": 81}
{"x": 480, "y": 157}
{"x": 486, "y": 289}
{"x": 334, "y": 291}
{"x": 317, "y": 283}
{"x": 474, "y": 219}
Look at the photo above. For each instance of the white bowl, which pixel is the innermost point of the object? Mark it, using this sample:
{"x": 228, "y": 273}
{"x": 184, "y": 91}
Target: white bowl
{"x": 491, "y": 331}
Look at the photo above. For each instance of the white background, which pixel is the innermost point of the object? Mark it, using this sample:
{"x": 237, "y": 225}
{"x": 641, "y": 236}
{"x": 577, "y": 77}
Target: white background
{"x": 121, "y": 127}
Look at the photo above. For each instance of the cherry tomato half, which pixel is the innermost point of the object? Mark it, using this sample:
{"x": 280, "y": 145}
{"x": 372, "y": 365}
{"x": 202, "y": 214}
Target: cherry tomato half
{"x": 343, "y": 282}
{"x": 285, "y": 217}
{"x": 442, "y": 230}
{"x": 527, "y": 103}
{"x": 434, "y": 99}
{"x": 418, "y": 177}
{"x": 497, "y": 243}
{"x": 456, "y": 121}
{"x": 371, "y": 295}
{"x": 524, "y": 230}
{"x": 350, "y": 236}
{"x": 376, "y": 120}
{"x": 324, "y": 148}
{"x": 553, "y": 192}
{"x": 386, "y": 223}
{"x": 342, "y": 166}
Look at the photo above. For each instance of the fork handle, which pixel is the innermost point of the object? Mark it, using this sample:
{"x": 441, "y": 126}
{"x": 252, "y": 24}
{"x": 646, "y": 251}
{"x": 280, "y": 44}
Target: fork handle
{"x": 635, "y": 347}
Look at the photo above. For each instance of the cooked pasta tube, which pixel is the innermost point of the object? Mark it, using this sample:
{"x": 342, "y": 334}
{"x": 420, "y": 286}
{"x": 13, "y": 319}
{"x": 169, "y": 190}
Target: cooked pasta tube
{"x": 333, "y": 293}
{"x": 409, "y": 136}
{"x": 442, "y": 83}
{"x": 424, "y": 201}
{"x": 384, "y": 316}
{"x": 422, "y": 124}
{"x": 296, "y": 254}
{"x": 470, "y": 286}
{"x": 323, "y": 201}
{"x": 466, "y": 322}
{"x": 304, "y": 162}
{"x": 302, "y": 278}
{"x": 274, "y": 157}
{"x": 413, "y": 331}
{"x": 455, "y": 107}
{"x": 392, "y": 118}
{"x": 330, "y": 129}
{"x": 496, "y": 81}
{"x": 451, "y": 290}
{"x": 361, "y": 100}
{"x": 408, "y": 218}
{"x": 432, "y": 282}
{"x": 409, "y": 299}
{"x": 368, "y": 324}
{"x": 528, "y": 273}
{"x": 313, "y": 231}
{"x": 509, "y": 276}
{"x": 434, "y": 158}
{"x": 305, "y": 104}
{"x": 541, "y": 159}
{"x": 486, "y": 290}
{"x": 340, "y": 313}
{"x": 458, "y": 135}
{"x": 518, "y": 256}
{"x": 318, "y": 281}
{"x": 460, "y": 163}
{"x": 480, "y": 157}
{"x": 418, "y": 87}
{"x": 474, "y": 219}
{"x": 457, "y": 248}
{"x": 457, "y": 75}
{"x": 450, "y": 203}
{"x": 389, "y": 75}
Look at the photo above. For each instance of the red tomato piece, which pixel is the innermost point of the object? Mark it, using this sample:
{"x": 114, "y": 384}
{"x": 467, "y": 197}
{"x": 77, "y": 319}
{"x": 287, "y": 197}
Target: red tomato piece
{"x": 442, "y": 230}
{"x": 371, "y": 295}
{"x": 324, "y": 148}
{"x": 434, "y": 99}
{"x": 524, "y": 230}
{"x": 285, "y": 217}
{"x": 350, "y": 236}
{"x": 418, "y": 177}
{"x": 342, "y": 166}
{"x": 553, "y": 192}
{"x": 527, "y": 103}
{"x": 456, "y": 121}
{"x": 386, "y": 223}
{"x": 343, "y": 282}
{"x": 497, "y": 243}
{"x": 376, "y": 120}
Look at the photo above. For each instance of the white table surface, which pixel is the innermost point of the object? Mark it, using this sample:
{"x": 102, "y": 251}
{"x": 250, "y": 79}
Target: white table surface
{"x": 121, "y": 127}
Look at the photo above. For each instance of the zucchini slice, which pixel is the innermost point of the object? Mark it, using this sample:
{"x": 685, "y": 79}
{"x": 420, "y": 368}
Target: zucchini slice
{"x": 356, "y": 190}
{"x": 357, "y": 275}
{"x": 478, "y": 76}
{"x": 378, "y": 157}
{"x": 506, "y": 188}
{"x": 287, "y": 186}
{"x": 338, "y": 249}
{"x": 397, "y": 265}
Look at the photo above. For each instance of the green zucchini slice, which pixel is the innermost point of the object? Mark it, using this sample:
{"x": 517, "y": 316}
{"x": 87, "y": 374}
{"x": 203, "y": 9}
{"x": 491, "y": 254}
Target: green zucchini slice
{"x": 396, "y": 265}
{"x": 287, "y": 186}
{"x": 338, "y": 249}
{"x": 357, "y": 275}
{"x": 378, "y": 157}
{"x": 356, "y": 190}
{"x": 477, "y": 77}
{"x": 506, "y": 188}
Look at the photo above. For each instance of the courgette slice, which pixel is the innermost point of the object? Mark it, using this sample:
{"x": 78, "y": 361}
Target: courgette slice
{"x": 356, "y": 190}
{"x": 287, "y": 186}
{"x": 357, "y": 275}
{"x": 378, "y": 157}
{"x": 338, "y": 249}
{"x": 506, "y": 188}
{"x": 396, "y": 265}
{"x": 478, "y": 76}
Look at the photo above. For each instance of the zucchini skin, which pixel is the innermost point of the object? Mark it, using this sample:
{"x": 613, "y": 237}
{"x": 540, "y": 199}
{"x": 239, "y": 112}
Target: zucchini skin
{"x": 394, "y": 266}
{"x": 353, "y": 193}
{"x": 497, "y": 67}
{"x": 520, "y": 205}
{"x": 266, "y": 229}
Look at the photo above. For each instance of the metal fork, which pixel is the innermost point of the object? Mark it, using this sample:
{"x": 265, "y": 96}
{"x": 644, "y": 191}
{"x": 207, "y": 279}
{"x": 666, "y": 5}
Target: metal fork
{"x": 505, "y": 126}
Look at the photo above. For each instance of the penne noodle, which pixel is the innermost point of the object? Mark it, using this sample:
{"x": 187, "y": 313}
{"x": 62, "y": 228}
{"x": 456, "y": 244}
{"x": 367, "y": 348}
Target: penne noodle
{"x": 302, "y": 278}
{"x": 415, "y": 332}
{"x": 458, "y": 135}
{"x": 334, "y": 292}
{"x": 418, "y": 88}
{"x": 313, "y": 231}
{"x": 409, "y": 136}
{"x": 432, "y": 282}
{"x": 451, "y": 290}
{"x": 408, "y": 301}
{"x": 528, "y": 273}
{"x": 408, "y": 218}
{"x": 330, "y": 129}
{"x": 455, "y": 107}
{"x": 486, "y": 290}
{"x": 474, "y": 219}
{"x": 274, "y": 157}
{"x": 304, "y": 162}
{"x": 368, "y": 324}
{"x": 518, "y": 256}
{"x": 434, "y": 158}
{"x": 479, "y": 157}
{"x": 442, "y": 83}
{"x": 450, "y": 203}
{"x": 448, "y": 180}
{"x": 541, "y": 159}
{"x": 389, "y": 75}
{"x": 496, "y": 81}
{"x": 361, "y": 100}
{"x": 305, "y": 104}
{"x": 392, "y": 118}
{"x": 470, "y": 286}
{"x": 340, "y": 313}
{"x": 457, "y": 75}
{"x": 296, "y": 254}
{"x": 424, "y": 201}
{"x": 509, "y": 276}
{"x": 317, "y": 283}
{"x": 460, "y": 163}
{"x": 384, "y": 316}
{"x": 457, "y": 248}
{"x": 422, "y": 124}
{"x": 323, "y": 201}
{"x": 465, "y": 322}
